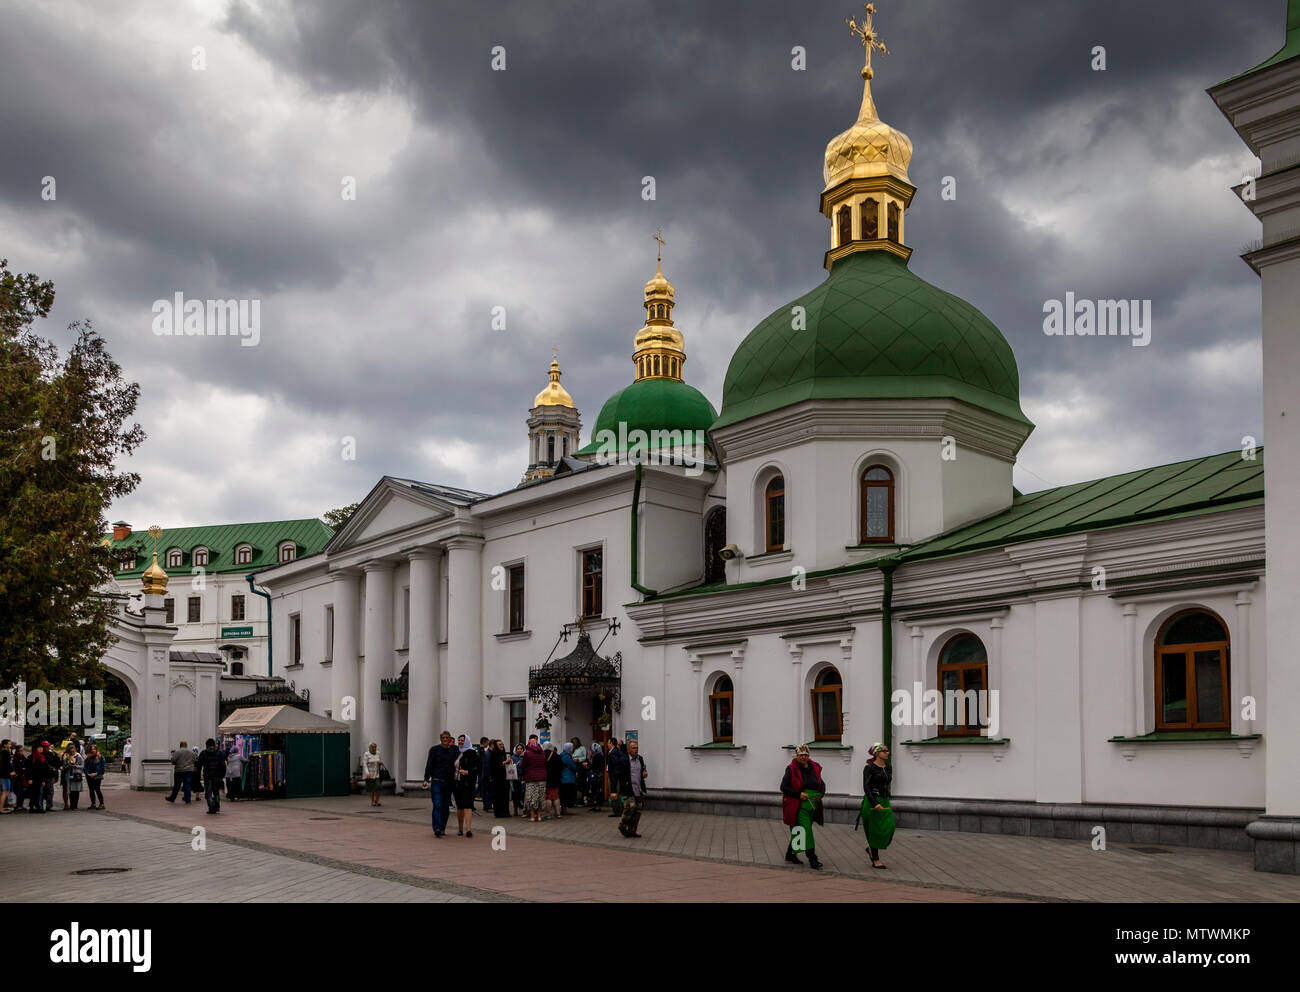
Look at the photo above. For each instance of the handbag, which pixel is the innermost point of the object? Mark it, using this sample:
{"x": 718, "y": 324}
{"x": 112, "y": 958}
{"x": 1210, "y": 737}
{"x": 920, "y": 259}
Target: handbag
{"x": 384, "y": 775}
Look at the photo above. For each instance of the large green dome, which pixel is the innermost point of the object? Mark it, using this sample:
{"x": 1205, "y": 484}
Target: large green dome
{"x": 652, "y": 404}
{"x": 872, "y": 329}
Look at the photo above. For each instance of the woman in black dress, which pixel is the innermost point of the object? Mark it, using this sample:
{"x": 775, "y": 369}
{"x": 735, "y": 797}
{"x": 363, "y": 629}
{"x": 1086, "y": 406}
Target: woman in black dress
{"x": 467, "y": 768}
{"x": 877, "y": 814}
{"x": 497, "y": 758}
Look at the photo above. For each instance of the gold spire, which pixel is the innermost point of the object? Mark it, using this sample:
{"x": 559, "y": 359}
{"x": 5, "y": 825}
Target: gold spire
{"x": 554, "y": 394}
{"x": 660, "y": 349}
{"x": 155, "y": 579}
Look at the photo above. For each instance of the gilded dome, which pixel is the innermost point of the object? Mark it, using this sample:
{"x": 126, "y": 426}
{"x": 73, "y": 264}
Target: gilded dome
{"x": 869, "y": 148}
{"x": 155, "y": 579}
{"x": 554, "y": 394}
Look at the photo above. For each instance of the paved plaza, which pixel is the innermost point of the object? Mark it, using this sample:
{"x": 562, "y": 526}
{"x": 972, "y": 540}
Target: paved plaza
{"x": 339, "y": 850}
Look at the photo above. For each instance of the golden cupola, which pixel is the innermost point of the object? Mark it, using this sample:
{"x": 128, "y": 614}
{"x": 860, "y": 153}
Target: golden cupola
{"x": 867, "y": 186}
{"x": 659, "y": 350}
{"x": 154, "y": 579}
{"x": 554, "y": 394}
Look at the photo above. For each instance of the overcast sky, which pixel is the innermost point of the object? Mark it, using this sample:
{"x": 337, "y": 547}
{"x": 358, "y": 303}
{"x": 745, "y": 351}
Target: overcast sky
{"x": 522, "y": 189}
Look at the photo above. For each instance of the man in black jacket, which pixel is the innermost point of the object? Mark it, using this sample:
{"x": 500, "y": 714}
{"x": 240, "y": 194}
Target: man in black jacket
{"x": 213, "y": 764}
{"x": 440, "y": 777}
{"x": 632, "y": 776}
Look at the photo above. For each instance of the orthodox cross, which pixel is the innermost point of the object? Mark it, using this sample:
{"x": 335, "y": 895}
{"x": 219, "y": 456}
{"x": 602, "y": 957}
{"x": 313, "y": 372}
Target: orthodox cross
{"x": 868, "y": 37}
{"x": 155, "y": 532}
{"x": 659, "y": 236}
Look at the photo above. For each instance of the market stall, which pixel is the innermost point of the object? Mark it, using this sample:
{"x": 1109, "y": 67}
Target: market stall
{"x": 290, "y": 753}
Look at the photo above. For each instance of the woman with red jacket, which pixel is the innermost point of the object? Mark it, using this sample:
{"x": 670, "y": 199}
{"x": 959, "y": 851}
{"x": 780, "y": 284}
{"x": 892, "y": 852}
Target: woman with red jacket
{"x": 801, "y": 791}
{"x": 532, "y": 767}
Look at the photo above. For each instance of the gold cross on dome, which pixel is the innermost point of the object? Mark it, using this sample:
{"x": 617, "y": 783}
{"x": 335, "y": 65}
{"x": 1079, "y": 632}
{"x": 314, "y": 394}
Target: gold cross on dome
{"x": 659, "y": 236}
{"x": 867, "y": 35}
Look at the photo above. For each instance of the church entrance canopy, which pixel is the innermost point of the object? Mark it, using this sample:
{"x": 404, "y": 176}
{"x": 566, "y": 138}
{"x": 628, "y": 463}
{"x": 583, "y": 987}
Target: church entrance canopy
{"x": 581, "y": 672}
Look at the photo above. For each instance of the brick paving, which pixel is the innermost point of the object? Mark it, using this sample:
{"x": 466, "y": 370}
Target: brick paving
{"x": 336, "y": 849}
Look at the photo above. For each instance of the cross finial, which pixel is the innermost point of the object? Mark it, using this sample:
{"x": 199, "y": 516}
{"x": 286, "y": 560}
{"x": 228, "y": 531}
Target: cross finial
{"x": 555, "y": 353}
{"x": 866, "y": 33}
{"x": 659, "y": 236}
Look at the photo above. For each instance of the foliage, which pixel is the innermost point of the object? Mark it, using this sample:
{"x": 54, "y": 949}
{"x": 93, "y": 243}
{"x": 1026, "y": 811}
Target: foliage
{"x": 337, "y": 518}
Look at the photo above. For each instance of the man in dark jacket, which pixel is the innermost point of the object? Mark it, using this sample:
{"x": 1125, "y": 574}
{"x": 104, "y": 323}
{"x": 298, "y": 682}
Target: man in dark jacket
{"x": 213, "y": 764}
{"x": 614, "y": 763}
{"x": 439, "y": 778}
{"x": 632, "y": 778}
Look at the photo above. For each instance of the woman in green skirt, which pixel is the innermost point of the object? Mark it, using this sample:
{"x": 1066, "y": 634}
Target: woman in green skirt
{"x": 801, "y": 791}
{"x": 876, "y": 814}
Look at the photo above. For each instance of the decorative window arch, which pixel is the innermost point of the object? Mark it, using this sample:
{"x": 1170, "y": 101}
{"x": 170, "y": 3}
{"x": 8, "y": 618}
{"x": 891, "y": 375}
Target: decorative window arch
{"x": 963, "y": 668}
{"x": 715, "y": 539}
{"x": 657, "y": 365}
{"x": 844, "y": 224}
{"x": 288, "y": 551}
{"x": 877, "y": 505}
{"x": 894, "y": 214}
{"x": 828, "y": 705}
{"x": 200, "y": 556}
{"x": 550, "y": 449}
{"x": 870, "y": 219}
{"x": 174, "y": 557}
{"x": 244, "y": 554}
{"x": 774, "y": 513}
{"x": 1191, "y": 672}
{"x": 721, "y": 703}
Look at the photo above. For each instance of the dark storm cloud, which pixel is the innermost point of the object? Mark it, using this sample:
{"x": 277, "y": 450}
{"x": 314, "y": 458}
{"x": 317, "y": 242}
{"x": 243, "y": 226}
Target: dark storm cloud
{"x": 523, "y": 189}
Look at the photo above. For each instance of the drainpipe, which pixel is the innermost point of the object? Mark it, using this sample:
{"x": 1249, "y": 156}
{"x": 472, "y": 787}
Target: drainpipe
{"x": 636, "y": 500}
{"x": 887, "y": 650}
{"x": 269, "y": 639}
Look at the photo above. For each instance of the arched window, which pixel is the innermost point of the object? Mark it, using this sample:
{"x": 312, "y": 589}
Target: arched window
{"x": 715, "y": 539}
{"x": 870, "y": 219}
{"x": 564, "y": 447}
{"x": 244, "y": 554}
{"x": 845, "y": 221}
{"x": 963, "y": 677}
{"x": 720, "y": 700}
{"x": 174, "y": 558}
{"x": 877, "y": 524}
{"x": 1192, "y": 673}
{"x": 288, "y": 551}
{"x": 550, "y": 449}
{"x": 200, "y": 556}
{"x": 828, "y": 713}
{"x": 774, "y": 499}
{"x": 893, "y": 221}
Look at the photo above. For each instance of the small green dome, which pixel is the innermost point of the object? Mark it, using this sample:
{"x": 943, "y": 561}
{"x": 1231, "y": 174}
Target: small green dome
{"x": 872, "y": 329}
{"x": 652, "y": 404}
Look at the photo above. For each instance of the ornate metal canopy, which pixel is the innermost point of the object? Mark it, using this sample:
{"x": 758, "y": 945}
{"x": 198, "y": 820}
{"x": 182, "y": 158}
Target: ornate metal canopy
{"x": 581, "y": 672}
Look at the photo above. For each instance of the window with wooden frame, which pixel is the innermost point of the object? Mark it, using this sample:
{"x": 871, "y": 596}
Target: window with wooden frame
{"x": 237, "y": 606}
{"x": 592, "y": 583}
{"x": 894, "y": 214}
{"x": 174, "y": 557}
{"x": 295, "y": 639}
{"x": 1192, "y": 673}
{"x": 774, "y": 501}
{"x": 844, "y": 220}
{"x": 870, "y": 219}
{"x": 715, "y": 539}
{"x": 194, "y": 609}
{"x": 244, "y": 554}
{"x": 200, "y": 557}
{"x": 288, "y": 551}
{"x": 518, "y": 723}
{"x": 963, "y": 669}
{"x": 169, "y": 605}
{"x": 877, "y": 523}
{"x": 720, "y": 704}
{"x": 827, "y": 700}
{"x": 516, "y": 591}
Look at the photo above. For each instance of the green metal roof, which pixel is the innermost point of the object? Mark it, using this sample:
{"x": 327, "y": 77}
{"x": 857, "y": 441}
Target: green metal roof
{"x": 310, "y": 535}
{"x": 1288, "y": 51}
{"x": 650, "y": 405}
{"x": 873, "y": 329}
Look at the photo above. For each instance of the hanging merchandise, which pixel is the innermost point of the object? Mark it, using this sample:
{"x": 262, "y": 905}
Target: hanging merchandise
{"x": 264, "y": 772}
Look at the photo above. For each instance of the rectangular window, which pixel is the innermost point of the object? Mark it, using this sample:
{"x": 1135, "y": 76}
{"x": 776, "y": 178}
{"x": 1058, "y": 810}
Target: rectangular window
{"x": 518, "y": 716}
{"x": 516, "y": 597}
{"x": 194, "y": 609}
{"x": 295, "y": 639}
{"x": 592, "y": 585}
{"x": 237, "y": 607}
{"x": 170, "y": 606}
{"x": 329, "y": 633}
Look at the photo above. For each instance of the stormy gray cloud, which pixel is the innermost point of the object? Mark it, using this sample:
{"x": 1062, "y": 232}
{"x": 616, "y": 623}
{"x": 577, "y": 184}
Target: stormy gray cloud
{"x": 522, "y": 189}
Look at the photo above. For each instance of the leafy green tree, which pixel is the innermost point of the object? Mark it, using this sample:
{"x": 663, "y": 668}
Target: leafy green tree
{"x": 62, "y": 429}
{"x": 337, "y": 518}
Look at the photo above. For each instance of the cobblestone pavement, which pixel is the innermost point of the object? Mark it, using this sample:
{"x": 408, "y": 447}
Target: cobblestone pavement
{"x": 338, "y": 849}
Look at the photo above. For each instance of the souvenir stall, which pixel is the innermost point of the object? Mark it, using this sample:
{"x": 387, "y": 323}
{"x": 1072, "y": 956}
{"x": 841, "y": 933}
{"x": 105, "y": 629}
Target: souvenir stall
{"x": 289, "y": 753}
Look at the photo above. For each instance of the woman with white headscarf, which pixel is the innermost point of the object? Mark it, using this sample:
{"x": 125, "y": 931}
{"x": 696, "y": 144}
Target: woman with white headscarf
{"x": 467, "y": 769}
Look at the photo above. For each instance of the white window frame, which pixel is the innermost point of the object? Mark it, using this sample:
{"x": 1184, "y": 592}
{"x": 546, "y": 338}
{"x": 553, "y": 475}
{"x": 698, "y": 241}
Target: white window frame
{"x": 199, "y": 556}
{"x": 286, "y": 547}
{"x": 175, "y": 558}
{"x": 243, "y": 554}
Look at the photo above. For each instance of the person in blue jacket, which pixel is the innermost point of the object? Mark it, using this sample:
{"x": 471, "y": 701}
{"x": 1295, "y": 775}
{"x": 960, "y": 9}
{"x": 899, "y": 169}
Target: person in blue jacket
{"x": 568, "y": 778}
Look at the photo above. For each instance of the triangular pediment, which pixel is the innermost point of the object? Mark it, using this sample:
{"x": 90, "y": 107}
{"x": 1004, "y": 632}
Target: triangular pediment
{"x": 393, "y": 506}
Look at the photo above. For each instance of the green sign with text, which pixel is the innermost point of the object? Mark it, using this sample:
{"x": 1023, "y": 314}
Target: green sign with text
{"x": 236, "y": 631}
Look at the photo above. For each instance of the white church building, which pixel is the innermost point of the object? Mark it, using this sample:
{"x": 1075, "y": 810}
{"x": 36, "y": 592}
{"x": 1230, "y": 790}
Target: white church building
{"x": 846, "y": 547}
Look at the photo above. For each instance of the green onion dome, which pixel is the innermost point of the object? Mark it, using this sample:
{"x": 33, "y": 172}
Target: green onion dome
{"x": 656, "y": 404}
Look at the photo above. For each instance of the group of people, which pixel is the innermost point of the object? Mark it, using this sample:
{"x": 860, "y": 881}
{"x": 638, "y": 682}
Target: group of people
{"x": 216, "y": 769}
{"x": 538, "y": 781}
{"x": 802, "y": 789}
{"x": 30, "y": 778}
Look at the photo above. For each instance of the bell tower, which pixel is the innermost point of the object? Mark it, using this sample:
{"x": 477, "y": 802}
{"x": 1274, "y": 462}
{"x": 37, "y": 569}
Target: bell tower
{"x": 553, "y": 427}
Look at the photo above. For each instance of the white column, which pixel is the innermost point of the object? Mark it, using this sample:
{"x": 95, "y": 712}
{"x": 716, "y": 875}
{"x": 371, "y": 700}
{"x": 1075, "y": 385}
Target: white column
{"x": 796, "y": 656}
{"x": 344, "y": 704}
{"x": 1136, "y": 690}
{"x": 697, "y": 664}
{"x": 376, "y": 715}
{"x": 422, "y": 658}
{"x": 465, "y": 635}
{"x": 1239, "y": 670}
{"x": 917, "y": 688}
{"x": 738, "y": 663}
